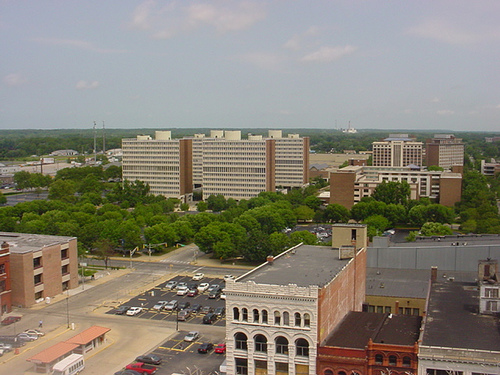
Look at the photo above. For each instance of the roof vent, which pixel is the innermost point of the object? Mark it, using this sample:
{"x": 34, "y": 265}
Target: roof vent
{"x": 270, "y": 259}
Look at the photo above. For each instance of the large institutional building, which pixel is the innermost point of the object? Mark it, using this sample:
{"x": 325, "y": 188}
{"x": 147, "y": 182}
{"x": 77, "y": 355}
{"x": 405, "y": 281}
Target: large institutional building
{"x": 446, "y": 151}
{"x": 398, "y": 150}
{"x": 221, "y": 163}
{"x": 279, "y": 312}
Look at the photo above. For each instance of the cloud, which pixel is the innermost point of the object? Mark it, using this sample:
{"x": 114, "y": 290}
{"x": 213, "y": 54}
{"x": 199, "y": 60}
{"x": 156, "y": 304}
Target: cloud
{"x": 296, "y": 42}
{"x": 445, "y": 112}
{"x": 80, "y": 44}
{"x": 435, "y": 100}
{"x": 84, "y": 85}
{"x": 262, "y": 60}
{"x": 15, "y": 79}
{"x": 166, "y": 21}
{"x": 329, "y": 54}
{"x": 446, "y": 32}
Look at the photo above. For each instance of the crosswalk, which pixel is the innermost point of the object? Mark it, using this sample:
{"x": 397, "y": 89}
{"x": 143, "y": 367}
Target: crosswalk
{"x": 174, "y": 261}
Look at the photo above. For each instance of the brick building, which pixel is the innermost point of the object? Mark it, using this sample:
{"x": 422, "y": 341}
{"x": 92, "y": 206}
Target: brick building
{"x": 41, "y": 266}
{"x": 445, "y": 150}
{"x": 5, "y": 279}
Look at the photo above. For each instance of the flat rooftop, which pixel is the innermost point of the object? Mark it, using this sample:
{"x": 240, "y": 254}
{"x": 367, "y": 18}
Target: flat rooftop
{"x": 453, "y": 319}
{"x": 358, "y": 327}
{"x": 304, "y": 265}
{"x": 21, "y": 243}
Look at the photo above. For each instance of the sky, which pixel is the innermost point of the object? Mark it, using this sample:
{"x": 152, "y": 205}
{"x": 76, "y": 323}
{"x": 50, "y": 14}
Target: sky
{"x": 373, "y": 64}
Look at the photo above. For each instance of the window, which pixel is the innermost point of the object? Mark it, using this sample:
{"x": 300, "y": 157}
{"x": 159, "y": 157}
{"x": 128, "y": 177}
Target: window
{"x": 260, "y": 343}
{"x": 241, "y": 366}
{"x": 281, "y": 345}
{"x": 244, "y": 312}
{"x": 328, "y": 372}
{"x": 302, "y": 347}
{"x": 37, "y": 262}
{"x": 307, "y": 320}
{"x": 277, "y": 318}
{"x": 388, "y": 309}
{"x": 379, "y": 359}
{"x": 240, "y": 341}
{"x": 236, "y": 313}
{"x": 37, "y": 279}
{"x": 342, "y": 373}
{"x": 2, "y": 268}
{"x": 392, "y": 360}
{"x": 64, "y": 269}
{"x": 406, "y": 362}
{"x": 301, "y": 369}
{"x": 416, "y": 311}
{"x": 491, "y": 293}
{"x": 264, "y": 316}
{"x": 286, "y": 319}
{"x": 281, "y": 368}
{"x": 260, "y": 367}
{"x": 65, "y": 285}
{"x": 491, "y": 305}
{"x": 64, "y": 254}
{"x": 298, "y": 320}
{"x": 255, "y": 315}
{"x": 2, "y": 285}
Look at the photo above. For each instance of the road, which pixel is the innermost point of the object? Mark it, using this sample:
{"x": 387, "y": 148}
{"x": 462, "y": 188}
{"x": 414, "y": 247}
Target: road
{"x": 129, "y": 336}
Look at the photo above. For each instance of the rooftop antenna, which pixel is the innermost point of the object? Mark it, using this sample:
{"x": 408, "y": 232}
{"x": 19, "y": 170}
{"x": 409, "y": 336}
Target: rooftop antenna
{"x": 95, "y": 147}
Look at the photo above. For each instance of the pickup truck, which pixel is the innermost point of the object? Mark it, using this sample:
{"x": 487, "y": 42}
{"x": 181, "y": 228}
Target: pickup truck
{"x": 142, "y": 368}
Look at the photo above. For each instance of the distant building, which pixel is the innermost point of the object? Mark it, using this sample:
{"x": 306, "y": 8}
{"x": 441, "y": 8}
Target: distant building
{"x": 445, "y": 150}
{"x": 398, "y": 150}
{"x": 490, "y": 169}
{"x": 41, "y": 266}
{"x": 350, "y": 184}
{"x": 276, "y": 318}
{"x": 489, "y": 287}
{"x": 64, "y": 153}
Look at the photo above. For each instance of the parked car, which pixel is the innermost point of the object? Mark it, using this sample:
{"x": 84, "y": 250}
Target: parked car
{"x": 196, "y": 308}
{"x": 192, "y": 286}
{"x": 184, "y": 305}
{"x": 35, "y": 332}
{"x": 213, "y": 287}
{"x": 192, "y": 293}
{"x": 5, "y": 347}
{"x": 27, "y": 337}
{"x": 220, "y": 311}
{"x": 172, "y": 305}
{"x": 223, "y": 295}
{"x": 182, "y": 291}
{"x": 134, "y": 311}
{"x": 141, "y": 368}
{"x": 150, "y": 359}
{"x": 181, "y": 284}
{"x": 209, "y": 318}
{"x": 207, "y": 309}
{"x": 160, "y": 305}
{"x": 10, "y": 319}
{"x": 220, "y": 349}
{"x": 184, "y": 315}
{"x": 192, "y": 336}
{"x": 122, "y": 310}
{"x": 198, "y": 276}
{"x": 127, "y": 372}
{"x": 228, "y": 277}
{"x": 214, "y": 294}
{"x": 171, "y": 284}
{"x": 205, "y": 347}
{"x": 203, "y": 287}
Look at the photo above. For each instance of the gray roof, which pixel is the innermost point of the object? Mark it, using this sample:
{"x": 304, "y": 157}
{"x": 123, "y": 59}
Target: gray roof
{"x": 453, "y": 320}
{"x": 304, "y": 266}
{"x": 21, "y": 243}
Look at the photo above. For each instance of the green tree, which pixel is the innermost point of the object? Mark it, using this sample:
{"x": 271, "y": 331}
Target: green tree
{"x": 304, "y": 213}
{"x": 278, "y": 242}
{"x": 392, "y": 192}
{"x": 202, "y": 206}
{"x": 435, "y": 229}
{"x": 22, "y": 180}
{"x": 216, "y": 203}
{"x": 303, "y": 236}
{"x": 377, "y": 224}
{"x": 336, "y": 213}
{"x": 3, "y": 198}
{"x": 103, "y": 249}
{"x": 63, "y": 190}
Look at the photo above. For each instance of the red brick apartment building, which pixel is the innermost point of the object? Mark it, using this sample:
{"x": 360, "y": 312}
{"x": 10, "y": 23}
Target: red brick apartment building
{"x": 5, "y": 283}
{"x": 41, "y": 266}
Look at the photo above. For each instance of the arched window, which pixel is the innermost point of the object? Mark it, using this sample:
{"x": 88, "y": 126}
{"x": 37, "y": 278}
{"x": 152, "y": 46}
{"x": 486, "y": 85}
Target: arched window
{"x": 277, "y": 318}
{"x": 342, "y": 373}
{"x": 392, "y": 360}
{"x": 286, "y": 318}
{"x": 260, "y": 343}
{"x": 302, "y": 346}
{"x": 328, "y": 372}
{"x": 236, "y": 313}
{"x": 307, "y": 320}
{"x": 255, "y": 315}
{"x": 298, "y": 320}
{"x": 281, "y": 345}
{"x": 264, "y": 316}
{"x": 240, "y": 340}
{"x": 406, "y": 362}
{"x": 379, "y": 359}
{"x": 244, "y": 313}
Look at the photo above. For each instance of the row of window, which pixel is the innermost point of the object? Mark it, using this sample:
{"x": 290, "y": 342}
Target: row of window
{"x": 280, "y": 368}
{"x": 281, "y": 344}
{"x": 388, "y": 309}
{"x": 280, "y": 319}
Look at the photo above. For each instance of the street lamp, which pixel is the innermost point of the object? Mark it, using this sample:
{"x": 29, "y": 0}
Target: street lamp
{"x": 177, "y": 319}
{"x": 67, "y": 306}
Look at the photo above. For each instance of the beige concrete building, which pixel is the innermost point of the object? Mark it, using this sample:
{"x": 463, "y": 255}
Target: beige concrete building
{"x": 350, "y": 184}
{"x": 41, "y": 266}
{"x": 398, "y": 150}
{"x": 446, "y": 151}
{"x": 221, "y": 163}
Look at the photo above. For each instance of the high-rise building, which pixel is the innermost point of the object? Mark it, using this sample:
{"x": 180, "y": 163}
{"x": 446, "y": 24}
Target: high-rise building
{"x": 398, "y": 150}
{"x": 446, "y": 151}
{"x": 221, "y": 163}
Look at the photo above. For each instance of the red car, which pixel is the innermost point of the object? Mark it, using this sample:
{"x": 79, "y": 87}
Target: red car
{"x": 192, "y": 293}
{"x": 221, "y": 348}
{"x": 10, "y": 320}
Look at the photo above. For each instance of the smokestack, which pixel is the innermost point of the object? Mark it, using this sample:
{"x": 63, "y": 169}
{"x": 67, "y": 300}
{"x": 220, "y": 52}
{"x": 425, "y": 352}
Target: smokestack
{"x": 434, "y": 274}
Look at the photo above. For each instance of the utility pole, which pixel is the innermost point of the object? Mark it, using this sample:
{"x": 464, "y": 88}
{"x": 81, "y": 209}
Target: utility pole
{"x": 103, "y": 140}
{"x": 95, "y": 147}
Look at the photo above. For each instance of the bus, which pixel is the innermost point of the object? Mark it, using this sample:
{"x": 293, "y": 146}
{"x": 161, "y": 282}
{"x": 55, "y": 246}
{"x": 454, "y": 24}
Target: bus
{"x": 71, "y": 365}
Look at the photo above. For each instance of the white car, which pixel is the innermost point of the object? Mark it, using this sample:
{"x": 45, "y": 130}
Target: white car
{"x": 134, "y": 311}
{"x": 182, "y": 291}
{"x": 198, "y": 276}
{"x": 160, "y": 305}
{"x": 35, "y": 332}
{"x": 203, "y": 287}
{"x": 191, "y": 336}
{"x": 228, "y": 277}
{"x": 223, "y": 295}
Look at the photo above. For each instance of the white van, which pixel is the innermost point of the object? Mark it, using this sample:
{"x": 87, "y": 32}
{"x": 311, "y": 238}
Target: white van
{"x": 71, "y": 365}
